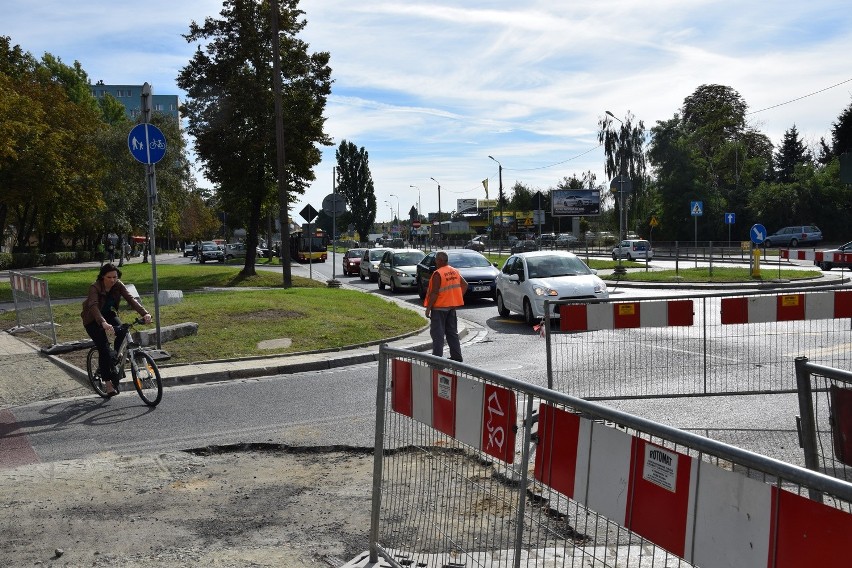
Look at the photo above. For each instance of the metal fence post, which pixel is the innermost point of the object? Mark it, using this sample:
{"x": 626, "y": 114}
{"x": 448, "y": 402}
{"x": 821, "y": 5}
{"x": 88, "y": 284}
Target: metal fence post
{"x": 807, "y": 423}
{"x": 548, "y": 344}
{"x": 378, "y": 455}
{"x": 522, "y": 488}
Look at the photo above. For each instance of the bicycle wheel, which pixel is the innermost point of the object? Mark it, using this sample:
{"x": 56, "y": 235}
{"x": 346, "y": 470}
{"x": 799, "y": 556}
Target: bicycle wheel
{"x": 94, "y": 370}
{"x": 146, "y": 378}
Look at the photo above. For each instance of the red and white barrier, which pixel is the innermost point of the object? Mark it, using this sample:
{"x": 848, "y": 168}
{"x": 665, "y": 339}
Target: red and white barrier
{"x": 685, "y": 505}
{"x": 625, "y": 315}
{"x": 787, "y": 307}
{"x": 817, "y": 256}
{"x": 31, "y": 285}
{"x": 478, "y": 414}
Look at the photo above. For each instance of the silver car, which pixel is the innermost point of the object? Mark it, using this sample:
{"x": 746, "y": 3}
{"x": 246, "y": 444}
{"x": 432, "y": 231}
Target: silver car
{"x": 369, "y": 267}
{"x": 529, "y": 278}
{"x": 398, "y": 268}
{"x": 794, "y": 236}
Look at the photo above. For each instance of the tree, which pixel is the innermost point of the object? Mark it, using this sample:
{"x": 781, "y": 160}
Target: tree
{"x": 841, "y": 132}
{"x": 355, "y": 184}
{"x": 624, "y": 148}
{"x": 791, "y": 154}
{"x": 230, "y": 105}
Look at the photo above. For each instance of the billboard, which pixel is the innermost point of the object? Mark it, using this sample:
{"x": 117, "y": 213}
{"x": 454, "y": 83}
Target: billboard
{"x": 575, "y": 202}
{"x": 488, "y": 204}
{"x": 465, "y": 206}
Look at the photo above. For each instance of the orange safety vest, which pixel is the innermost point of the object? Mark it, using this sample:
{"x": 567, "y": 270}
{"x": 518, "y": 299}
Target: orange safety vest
{"x": 450, "y": 294}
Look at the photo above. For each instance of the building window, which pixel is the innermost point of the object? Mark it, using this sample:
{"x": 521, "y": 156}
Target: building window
{"x": 158, "y": 107}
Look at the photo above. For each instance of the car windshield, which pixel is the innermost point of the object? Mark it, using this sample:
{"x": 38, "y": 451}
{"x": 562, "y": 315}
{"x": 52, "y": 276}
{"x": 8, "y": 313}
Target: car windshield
{"x": 209, "y": 247}
{"x": 552, "y": 266}
{"x": 377, "y": 254}
{"x": 407, "y": 258}
{"x": 468, "y": 261}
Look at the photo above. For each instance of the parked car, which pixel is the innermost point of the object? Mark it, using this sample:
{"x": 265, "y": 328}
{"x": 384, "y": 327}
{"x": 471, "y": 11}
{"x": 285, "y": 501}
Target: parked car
{"x": 633, "y": 249}
{"x": 481, "y": 275}
{"x": 528, "y": 278}
{"x": 843, "y": 249}
{"x": 188, "y": 249}
{"x": 478, "y": 243}
{"x": 237, "y": 250}
{"x": 398, "y": 268}
{"x": 212, "y": 252}
{"x": 369, "y": 267}
{"x": 794, "y": 236}
{"x": 352, "y": 261}
{"x": 523, "y": 246}
{"x": 565, "y": 240}
{"x": 546, "y": 240}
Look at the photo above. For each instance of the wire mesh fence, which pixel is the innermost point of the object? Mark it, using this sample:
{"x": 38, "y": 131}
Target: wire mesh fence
{"x": 716, "y": 353}
{"x": 477, "y": 469}
{"x": 32, "y": 305}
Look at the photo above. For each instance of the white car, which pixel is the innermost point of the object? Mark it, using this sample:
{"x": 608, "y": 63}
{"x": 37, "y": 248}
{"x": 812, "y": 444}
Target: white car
{"x": 530, "y": 278}
{"x": 398, "y": 268}
{"x": 633, "y": 249}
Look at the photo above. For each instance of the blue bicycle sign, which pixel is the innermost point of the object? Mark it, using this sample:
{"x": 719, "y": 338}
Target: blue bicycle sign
{"x": 147, "y": 143}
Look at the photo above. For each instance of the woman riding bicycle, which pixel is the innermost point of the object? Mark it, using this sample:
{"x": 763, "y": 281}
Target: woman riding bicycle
{"x": 100, "y": 316}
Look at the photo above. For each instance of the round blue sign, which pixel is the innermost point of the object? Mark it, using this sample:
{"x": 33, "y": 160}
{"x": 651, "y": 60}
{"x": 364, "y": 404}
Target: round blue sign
{"x": 147, "y": 143}
{"x": 757, "y": 233}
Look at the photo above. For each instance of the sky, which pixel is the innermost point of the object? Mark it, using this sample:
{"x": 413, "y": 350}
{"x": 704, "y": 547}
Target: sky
{"x": 432, "y": 89}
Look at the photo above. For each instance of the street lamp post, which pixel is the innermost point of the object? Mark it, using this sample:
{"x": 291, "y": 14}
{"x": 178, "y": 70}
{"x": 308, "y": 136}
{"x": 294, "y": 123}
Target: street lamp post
{"x": 398, "y": 218}
{"x": 439, "y": 208}
{"x": 620, "y": 269}
{"x": 500, "y": 198}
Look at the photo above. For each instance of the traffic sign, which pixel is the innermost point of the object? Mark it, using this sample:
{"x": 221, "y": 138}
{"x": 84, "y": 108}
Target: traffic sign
{"x": 654, "y": 221}
{"x": 621, "y": 183}
{"x": 333, "y": 205}
{"x": 147, "y": 143}
{"x": 415, "y": 224}
{"x": 696, "y": 208}
{"x": 730, "y": 218}
{"x": 757, "y": 233}
{"x": 308, "y": 213}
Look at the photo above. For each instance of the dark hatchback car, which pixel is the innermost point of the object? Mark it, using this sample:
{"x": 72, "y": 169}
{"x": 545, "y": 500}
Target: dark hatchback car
{"x": 481, "y": 275}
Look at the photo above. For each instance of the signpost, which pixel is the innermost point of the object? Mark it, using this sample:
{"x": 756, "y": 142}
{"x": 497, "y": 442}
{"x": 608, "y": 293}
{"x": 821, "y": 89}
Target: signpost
{"x": 730, "y": 219}
{"x": 147, "y": 144}
{"x": 696, "y": 208}
{"x": 758, "y": 235}
{"x": 308, "y": 213}
{"x": 333, "y": 205}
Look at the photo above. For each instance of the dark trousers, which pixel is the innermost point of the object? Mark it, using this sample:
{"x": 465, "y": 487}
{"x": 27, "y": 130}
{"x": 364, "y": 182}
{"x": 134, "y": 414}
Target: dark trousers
{"x": 99, "y": 336}
{"x": 444, "y": 323}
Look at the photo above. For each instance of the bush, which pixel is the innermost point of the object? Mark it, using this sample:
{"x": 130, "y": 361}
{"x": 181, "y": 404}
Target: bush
{"x": 5, "y": 260}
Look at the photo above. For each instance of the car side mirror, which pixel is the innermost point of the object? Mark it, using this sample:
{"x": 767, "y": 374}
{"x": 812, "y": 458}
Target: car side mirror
{"x": 594, "y": 270}
{"x": 514, "y": 278}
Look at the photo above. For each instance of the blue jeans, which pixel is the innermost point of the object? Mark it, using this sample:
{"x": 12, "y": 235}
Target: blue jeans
{"x": 444, "y": 323}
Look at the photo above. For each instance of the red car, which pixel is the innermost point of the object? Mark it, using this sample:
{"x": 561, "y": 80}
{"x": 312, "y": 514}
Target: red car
{"x": 352, "y": 261}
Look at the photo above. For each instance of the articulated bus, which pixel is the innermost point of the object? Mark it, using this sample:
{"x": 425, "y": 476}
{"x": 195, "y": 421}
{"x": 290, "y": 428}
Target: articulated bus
{"x": 309, "y": 246}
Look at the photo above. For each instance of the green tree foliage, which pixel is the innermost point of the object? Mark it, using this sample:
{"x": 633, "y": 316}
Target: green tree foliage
{"x": 624, "y": 147}
{"x": 355, "y": 184}
{"x": 521, "y": 197}
{"x": 841, "y": 132}
{"x": 706, "y": 153}
{"x": 790, "y": 155}
{"x": 230, "y": 105}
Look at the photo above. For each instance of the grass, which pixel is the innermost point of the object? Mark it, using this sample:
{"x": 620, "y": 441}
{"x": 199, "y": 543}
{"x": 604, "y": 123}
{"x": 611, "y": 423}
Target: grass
{"x": 232, "y": 322}
{"x": 720, "y": 274}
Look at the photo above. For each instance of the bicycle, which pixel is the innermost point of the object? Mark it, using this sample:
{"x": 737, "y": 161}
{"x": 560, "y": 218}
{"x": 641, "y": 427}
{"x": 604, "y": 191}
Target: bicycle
{"x": 143, "y": 369}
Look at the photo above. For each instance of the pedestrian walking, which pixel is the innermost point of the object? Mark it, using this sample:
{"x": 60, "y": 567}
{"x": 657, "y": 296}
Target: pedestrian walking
{"x": 110, "y": 251}
{"x": 101, "y": 252}
{"x": 446, "y": 293}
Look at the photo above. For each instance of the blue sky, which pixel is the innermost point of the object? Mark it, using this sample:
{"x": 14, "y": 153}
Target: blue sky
{"x": 431, "y": 89}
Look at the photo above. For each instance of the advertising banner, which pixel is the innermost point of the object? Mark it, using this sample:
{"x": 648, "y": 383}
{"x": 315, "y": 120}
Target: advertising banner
{"x": 575, "y": 202}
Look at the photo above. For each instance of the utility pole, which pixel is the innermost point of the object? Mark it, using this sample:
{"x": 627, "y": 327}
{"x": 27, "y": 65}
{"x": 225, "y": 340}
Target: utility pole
{"x": 283, "y": 213}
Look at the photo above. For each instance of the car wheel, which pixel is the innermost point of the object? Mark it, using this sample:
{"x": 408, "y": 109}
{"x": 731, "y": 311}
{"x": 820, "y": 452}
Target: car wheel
{"x": 393, "y": 287}
{"x": 381, "y": 284}
{"x": 794, "y": 242}
{"x": 528, "y": 312}
{"x": 201, "y": 260}
{"x": 501, "y": 307}
{"x": 630, "y": 256}
{"x": 361, "y": 274}
{"x": 614, "y": 257}
{"x": 420, "y": 290}
{"x": 374, "y": 277}
{"x": 767, "y": 243}
{"x": 825, "y": 265}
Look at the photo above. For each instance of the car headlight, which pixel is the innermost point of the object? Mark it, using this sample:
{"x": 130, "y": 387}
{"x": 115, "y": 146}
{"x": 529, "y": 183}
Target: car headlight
{"x": 544, "y": 291}
{"x": 600, "y": 287}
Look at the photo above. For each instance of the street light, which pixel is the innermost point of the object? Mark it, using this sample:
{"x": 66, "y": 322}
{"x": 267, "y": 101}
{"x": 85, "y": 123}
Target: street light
{"x": 398, "y": 218}
{"x": 620, "y": 269}
{"x": 439, "y": 208}
{"x": 500, "y": 197}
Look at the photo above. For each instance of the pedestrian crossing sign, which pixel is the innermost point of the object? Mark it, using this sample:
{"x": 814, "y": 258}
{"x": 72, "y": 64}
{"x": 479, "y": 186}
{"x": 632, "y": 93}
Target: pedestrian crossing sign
{"x": 697, "y": 208}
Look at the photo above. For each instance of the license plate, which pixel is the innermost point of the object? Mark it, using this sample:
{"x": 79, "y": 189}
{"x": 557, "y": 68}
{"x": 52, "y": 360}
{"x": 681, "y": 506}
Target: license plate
{"x": 481, "y": 288}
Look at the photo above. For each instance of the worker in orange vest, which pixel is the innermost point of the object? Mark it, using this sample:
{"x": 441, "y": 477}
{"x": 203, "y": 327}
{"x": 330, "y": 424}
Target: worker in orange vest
{"x": 445, "y": 294}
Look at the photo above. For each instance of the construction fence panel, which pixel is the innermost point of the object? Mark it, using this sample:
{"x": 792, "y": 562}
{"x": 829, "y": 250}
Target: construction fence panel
{"x": 825, "y": 418}
{"x": 33, "y": 310}
{"x": 706, "y": 344}
{"x": 476, "y": 469}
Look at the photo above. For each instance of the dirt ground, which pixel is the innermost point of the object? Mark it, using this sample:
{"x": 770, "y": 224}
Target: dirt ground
{"x": 252, "y": 506}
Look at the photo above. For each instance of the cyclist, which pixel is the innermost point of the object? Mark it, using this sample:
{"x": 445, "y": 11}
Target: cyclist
{"x": 100, "y": 315}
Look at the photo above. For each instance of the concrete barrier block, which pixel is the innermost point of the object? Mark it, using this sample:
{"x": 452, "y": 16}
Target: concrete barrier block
{"x": 169, "y": 297}
{"x": 168, "y": 333}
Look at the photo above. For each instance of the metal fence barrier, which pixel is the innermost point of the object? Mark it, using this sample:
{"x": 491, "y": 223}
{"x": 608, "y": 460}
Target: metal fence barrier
{"x": 32, "y": 305}
{"x": 705, "y": 344}
{"x": 825, "y": 418}
{"x": 473, "y": 468}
